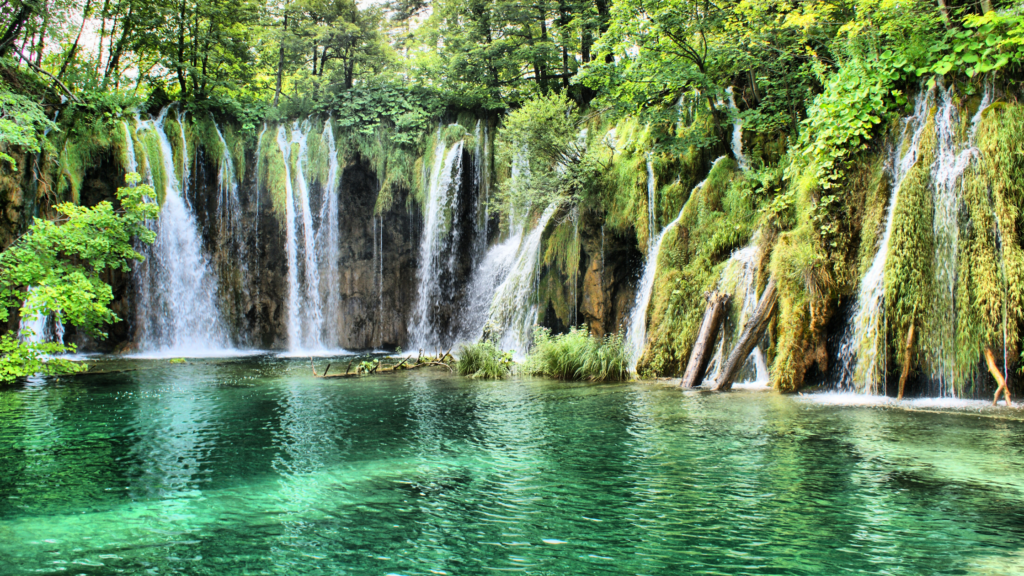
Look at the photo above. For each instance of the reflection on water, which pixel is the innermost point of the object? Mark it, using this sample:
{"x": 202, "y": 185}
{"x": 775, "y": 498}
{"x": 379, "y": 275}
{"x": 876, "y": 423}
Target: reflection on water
{"x": 250, "y": 466}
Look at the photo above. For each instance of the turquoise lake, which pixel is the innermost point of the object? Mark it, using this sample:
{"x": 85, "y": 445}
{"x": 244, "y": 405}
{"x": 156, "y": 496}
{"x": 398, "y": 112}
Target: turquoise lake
{"x": 252, "y": 466}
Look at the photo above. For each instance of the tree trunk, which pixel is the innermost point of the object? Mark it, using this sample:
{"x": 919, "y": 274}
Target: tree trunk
{"x": 701, "y": 353}
{"x": 990, "y": 359}
{"x": 748, "y": 339}
{"x": 115, "y": 53}
{"x": 42, "y": 37}
{"x": 906, "y": 361}
{"x": 14, "y": 28}
{"x": 74, "y": 47}
{"x": 280, "y": 60}
{"x": 986, "y": 6}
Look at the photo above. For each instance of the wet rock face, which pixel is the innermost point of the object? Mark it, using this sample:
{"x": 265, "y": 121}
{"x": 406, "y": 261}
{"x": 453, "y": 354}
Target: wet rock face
{"x": 376, "y": 262}
{"x": 378, "y": 283}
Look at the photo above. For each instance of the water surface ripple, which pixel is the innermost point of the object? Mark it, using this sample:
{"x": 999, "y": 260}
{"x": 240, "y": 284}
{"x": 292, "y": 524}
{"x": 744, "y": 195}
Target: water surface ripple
{"x": 251, "y": 466}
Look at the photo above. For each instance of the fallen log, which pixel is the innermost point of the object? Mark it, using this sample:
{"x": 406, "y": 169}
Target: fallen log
{"x": 401, "y": 366}
{"x": 990, "y": 359}
{"x": 752, "y": 332}
{"x": 701, "y": 353}
{"x": 906, "y": 361}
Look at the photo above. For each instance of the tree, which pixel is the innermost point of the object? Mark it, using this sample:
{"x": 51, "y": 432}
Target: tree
{"x": 55, "y": 267}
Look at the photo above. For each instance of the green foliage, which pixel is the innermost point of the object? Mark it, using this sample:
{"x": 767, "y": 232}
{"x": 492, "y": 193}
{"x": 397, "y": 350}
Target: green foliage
{"x": 577, "y": 355}
{"x": 484, "y": 360}
{"x": 62, "y": 260}
{"x": 23, "y": 123}
{"x": 987, "y": 43}
{"x": 55, "y": 267}
{"x": 544, "y": 145}
{"x": 20, "y": 359}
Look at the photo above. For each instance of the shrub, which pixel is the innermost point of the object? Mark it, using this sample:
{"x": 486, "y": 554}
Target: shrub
{"x": 578, "y": 356}
{"x": 484, "y": 360}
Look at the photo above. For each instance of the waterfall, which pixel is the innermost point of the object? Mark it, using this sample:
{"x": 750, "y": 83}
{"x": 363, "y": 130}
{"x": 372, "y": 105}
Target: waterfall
{"x": 328, "y": 240}
{"x": 133, "y": 163}
{"x": 953, "y": 156}
{"x": 438, "y": 250}
{"x": 865, "y": 345}
{"x": 229, "y": 212}
{"x": 513, "y": 312}
{"x": 291, "y": 248}
{"x": 636, "y": 332}
{"x": 37, "y": 328}
{"x": 311, "y": 312}
{"x": 176, "y": 308}
{"x": 651, "y": 193}
{"x": 737, "y": 132}
{"x": 312, "y": 242}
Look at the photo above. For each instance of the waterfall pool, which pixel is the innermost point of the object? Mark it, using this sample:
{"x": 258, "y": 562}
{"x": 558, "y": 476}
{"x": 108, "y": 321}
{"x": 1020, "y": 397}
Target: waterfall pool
{"x": 252, "y": 466}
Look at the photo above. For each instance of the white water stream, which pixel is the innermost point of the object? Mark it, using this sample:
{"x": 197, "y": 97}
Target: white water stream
{"x": 636, "y": 332}
{"x": 438, "y": 248}
{"x": 176, "y": 306}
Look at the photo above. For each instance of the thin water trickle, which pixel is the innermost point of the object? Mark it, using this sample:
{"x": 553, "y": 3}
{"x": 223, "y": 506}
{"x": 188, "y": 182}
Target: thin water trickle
{"x": 737, "y": 132}
{"x": 863, "y": 346}
{"x": 652, "y": 188}
{"x": 636, "y": 332}
{"x": 953, "y": 156}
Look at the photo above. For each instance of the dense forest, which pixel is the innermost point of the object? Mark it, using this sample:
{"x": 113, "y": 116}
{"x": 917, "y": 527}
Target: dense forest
{"x": 355, "y": 173}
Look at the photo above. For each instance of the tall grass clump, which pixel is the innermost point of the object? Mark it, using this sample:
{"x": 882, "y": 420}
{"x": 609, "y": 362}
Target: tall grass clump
{"x": 484, "y": 360}
{"x": 577, "y": 355}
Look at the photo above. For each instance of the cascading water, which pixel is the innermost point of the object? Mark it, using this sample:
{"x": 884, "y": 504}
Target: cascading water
{"x": 652, "y": 188}
{"x": 513, "y": 312}
{"x": 291, "y": 248}
{"x": 953, "y": 156}
{"x": 176, "y": 307}
{"x": 738, "y": 280}
{"x": 636, "y": 332}
{"x": 229, "y": 212}
{"x": 864, "y": 346}
{"x": 438, "y": 257}
{"x": 862, "y": 352}
{"x": 737, "y": 132}
{"x": 328, "y": 239}
{"x": 311, "y": 243}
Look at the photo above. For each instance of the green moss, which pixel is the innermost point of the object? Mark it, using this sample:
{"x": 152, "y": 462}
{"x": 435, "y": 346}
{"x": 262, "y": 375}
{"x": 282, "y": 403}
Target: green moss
{"x": 317, "y": 162}
{"x": 204, "y": 132}
{"x": 990, "y": 290}
{"x": 273, "y": 174}
{"x": 909, "y": 266}
{"x": 236, "y": 146}
{"x": 81, "y": 149}
{"x": 151, "y": 159}
{"x": 718, "y": 217}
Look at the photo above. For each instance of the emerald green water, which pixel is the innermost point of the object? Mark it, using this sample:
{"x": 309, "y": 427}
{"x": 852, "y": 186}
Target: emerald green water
{"x": 251, "y": 466}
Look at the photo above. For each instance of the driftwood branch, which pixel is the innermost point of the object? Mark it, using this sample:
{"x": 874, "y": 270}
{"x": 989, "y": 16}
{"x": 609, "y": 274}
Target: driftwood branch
{"x": 403, "y": 365}
{"x": 906, "y": 361}
{"x": 701, "y": 353}
{"x": 752, "y": 332}
{"x": 990, "y": 360}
